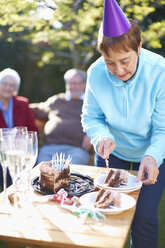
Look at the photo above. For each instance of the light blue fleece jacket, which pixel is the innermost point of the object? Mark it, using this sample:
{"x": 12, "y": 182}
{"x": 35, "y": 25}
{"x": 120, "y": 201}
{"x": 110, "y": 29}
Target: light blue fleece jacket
{"x": 130, "y": 113}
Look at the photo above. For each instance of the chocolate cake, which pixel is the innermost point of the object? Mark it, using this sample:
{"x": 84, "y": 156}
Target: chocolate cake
{"x": 107, "y": 198}
{"x": 115, "y": 178}
{"x": 53, "y": 179}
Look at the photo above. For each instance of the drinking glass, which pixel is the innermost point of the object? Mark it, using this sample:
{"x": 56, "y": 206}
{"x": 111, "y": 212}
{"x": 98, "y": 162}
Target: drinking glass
{"x": 3, "y": 133}
{"x": 22, "y": 131}
{"x": 14, "y": 148}
{"x": 31, "y": 155}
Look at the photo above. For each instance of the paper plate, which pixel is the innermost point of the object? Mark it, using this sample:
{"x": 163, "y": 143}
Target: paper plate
{"x": 132, "y": 185}
{"x": 88, "y": 200}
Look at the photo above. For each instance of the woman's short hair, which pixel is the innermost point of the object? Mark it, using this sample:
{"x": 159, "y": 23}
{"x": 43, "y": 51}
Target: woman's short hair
{"x": 127, "y": 41}
{"x": 72, "y": 72}
{"x": 10, "y": 73}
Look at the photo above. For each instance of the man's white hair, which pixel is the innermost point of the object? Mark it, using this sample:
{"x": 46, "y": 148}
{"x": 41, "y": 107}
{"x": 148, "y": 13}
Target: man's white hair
{"x": 72, "y": 72}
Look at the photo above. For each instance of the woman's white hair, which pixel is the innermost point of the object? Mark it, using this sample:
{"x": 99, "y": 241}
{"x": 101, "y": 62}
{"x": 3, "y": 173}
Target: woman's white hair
{"x": 13, "y": 74}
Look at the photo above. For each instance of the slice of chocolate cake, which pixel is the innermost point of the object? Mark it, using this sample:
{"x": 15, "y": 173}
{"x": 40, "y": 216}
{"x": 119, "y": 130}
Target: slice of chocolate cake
{"x": 107, "y": 198}
{"x": 52, "y": 179}
{"x": 115, "y": 178}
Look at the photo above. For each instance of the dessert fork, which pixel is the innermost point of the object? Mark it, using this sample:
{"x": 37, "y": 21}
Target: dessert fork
{"x": 107, "y": 162}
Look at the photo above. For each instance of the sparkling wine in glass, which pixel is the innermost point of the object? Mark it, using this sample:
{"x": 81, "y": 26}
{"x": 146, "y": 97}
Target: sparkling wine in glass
{"x": 14, "y": 148}
{"x": 4, "y": 132}
{"x": 22, "y": 131}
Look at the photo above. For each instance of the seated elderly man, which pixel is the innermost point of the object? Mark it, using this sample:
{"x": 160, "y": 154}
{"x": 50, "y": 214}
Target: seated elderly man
{"x": 63, "y": 131}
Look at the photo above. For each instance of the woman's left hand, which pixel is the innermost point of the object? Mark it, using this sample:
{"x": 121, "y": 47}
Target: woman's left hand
{"x": 148, "y": 171}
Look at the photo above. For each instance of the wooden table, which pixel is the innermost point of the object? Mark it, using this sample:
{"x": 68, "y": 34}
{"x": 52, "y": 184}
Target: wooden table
{"x": 44, "y": 224}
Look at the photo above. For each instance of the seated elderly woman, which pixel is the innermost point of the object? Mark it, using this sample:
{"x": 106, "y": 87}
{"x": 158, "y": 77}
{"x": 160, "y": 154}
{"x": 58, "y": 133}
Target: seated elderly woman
{"x": 14, "y": 110}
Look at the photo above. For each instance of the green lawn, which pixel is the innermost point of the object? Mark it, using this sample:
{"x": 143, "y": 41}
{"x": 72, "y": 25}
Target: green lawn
{"x": 162, "y": 222}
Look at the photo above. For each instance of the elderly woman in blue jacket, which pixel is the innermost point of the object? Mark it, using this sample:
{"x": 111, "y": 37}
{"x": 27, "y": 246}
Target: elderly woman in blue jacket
{"x": 124, "y": 114}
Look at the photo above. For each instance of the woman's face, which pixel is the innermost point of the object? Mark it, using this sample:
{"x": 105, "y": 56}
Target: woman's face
{"x": 121, "y": 64}
{"x": 7, "y": 87}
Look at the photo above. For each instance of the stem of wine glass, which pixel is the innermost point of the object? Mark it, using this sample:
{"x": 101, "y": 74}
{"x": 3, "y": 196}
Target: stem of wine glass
{"x": 29, "y": 182}
{"x": 29, "y": 177}
{"x": 4, "y": 168}
{"x": 15, "y": 205}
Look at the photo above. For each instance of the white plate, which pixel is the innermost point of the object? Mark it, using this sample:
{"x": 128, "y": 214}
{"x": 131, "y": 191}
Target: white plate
{"x": 132, "y": 185}
{"x": 88, "y": 200}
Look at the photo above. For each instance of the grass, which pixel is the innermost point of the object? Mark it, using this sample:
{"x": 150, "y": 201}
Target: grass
{"x": 162, "y": 222}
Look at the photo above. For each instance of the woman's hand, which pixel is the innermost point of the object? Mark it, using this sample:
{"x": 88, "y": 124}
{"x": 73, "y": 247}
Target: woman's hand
{"x": 105, "y": 147}
{"x": 148, "y": 171}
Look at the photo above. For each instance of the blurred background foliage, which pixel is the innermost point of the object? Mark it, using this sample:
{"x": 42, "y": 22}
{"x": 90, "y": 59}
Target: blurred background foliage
{"x": 41, "y": 39}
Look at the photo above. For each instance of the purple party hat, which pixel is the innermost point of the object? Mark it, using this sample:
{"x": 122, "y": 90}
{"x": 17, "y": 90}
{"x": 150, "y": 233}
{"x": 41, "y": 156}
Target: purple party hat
{"x": 115, "y": 23}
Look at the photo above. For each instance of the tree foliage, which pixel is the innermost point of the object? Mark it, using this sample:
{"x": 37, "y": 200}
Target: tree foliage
{"x": 41, "y": 39}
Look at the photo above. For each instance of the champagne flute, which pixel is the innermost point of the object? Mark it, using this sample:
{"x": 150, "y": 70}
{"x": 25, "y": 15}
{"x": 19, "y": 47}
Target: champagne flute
{"x": 31, "y": 154}
{"x": 21, "y": 129}
{"x": 14, "y": 147}
{"x": 3, "y": 133}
